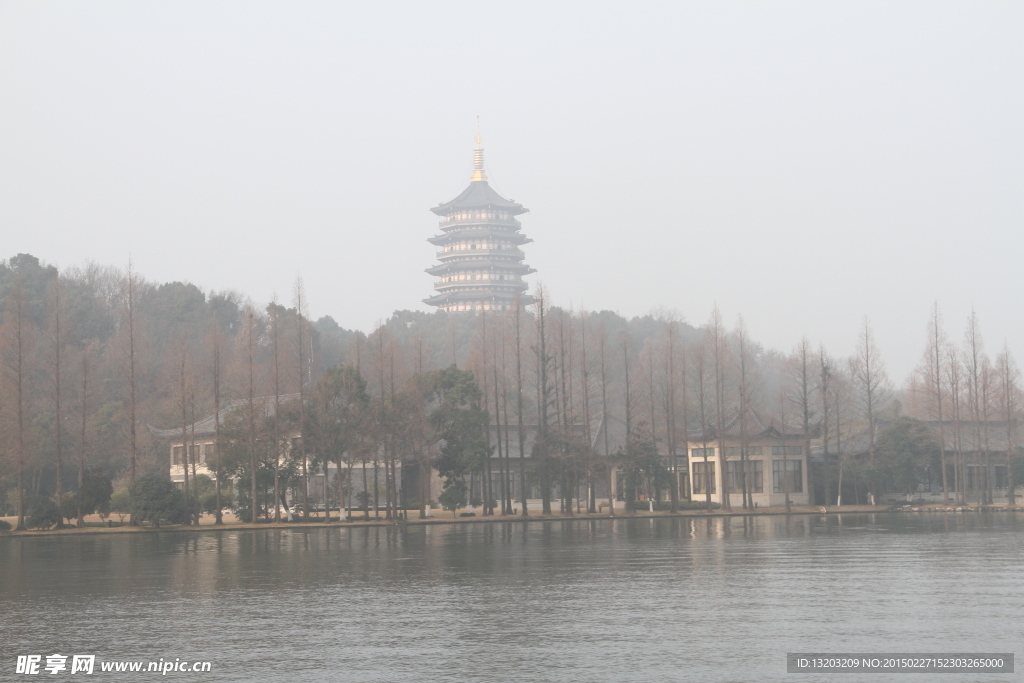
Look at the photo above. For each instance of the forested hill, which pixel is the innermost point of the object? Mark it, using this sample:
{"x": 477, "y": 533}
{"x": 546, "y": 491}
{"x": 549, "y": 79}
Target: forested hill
{"x": 174, "y": 325}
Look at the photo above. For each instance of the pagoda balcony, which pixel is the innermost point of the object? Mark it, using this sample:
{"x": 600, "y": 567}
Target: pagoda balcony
{"x": 481, "y": 235}
{"x": 509, "y": 223}
{"x": 517, "y": 254}
{"x": 483, "y": 285}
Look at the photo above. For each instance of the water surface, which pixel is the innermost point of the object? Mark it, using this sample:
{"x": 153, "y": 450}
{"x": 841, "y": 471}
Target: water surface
{"x": 709, "y": 599}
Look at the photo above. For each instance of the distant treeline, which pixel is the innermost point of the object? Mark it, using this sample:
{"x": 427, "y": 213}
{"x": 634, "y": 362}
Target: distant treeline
{"x": 93, "y": 356}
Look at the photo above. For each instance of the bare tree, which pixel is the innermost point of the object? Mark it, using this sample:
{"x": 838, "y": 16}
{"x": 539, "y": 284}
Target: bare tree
{"x": 627, "y": 400}
{"x": 218, "y": 446}
{"x": 82, "y": 436}
{"x": 955, "y": 382}
{"x": 504, "y": 411}
{"x": 704, "y": 380}
{"x": 57, "y": 339}
{"x": 805, "y": 372}
{"x": 719, "y": 351}
{"x": 975, "y": 363}
{"x": 518, "y": 339}
{"x": 541, "y": 454}
{"x": 16, "y": 322}
{"x": 183, "y": 401}
{"x": 250, "y": 339}
{"x": 934, "y": 377}
{"x": 133, "y": 415}
{"x": 1010, "y": 400}
{"x": 300, "y": 295}
{"x": 585, "y": 395}
{"x": 275, "y": 447}
{"x": 746, "y": 385}
{"x": 873, "y": 384}
{"x": 826, "y": 370}
{"x": 783, "y": 400}
{"x": 602, "y": 356}
{"x": 485, "y": 475}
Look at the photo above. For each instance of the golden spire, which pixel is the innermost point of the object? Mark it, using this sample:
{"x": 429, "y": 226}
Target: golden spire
{"x": 478, "y": 156}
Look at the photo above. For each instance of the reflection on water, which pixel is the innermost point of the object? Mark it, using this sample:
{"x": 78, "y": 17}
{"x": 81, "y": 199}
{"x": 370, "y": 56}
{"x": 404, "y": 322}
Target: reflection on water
{"x": 640, "y": 599}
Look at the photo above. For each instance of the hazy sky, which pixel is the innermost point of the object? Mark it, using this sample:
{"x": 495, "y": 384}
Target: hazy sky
{"x": 801, "y": 164}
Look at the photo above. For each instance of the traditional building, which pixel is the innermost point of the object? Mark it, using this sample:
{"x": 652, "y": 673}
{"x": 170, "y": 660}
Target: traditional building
{"x": 481, "y": 265}
{"x": 774, "y": 457}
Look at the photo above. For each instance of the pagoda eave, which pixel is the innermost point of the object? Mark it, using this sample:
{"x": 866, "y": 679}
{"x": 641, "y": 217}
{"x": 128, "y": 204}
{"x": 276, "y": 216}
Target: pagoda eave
{"x": 510, "y": 266}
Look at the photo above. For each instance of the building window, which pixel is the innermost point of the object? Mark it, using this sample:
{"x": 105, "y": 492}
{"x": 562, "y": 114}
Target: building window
{"x": 976, "y": 476}
{"x": 1001, "y": 477}
{"x": 702, "y": 452}
{"x": 787, "y": 450}
{"x": 734, "y": 476}
{"x": 794, "y": 475}
{"x": 176, "y": 452}
{"x": 699, "y": 478}
{"x": 736, "y": 452}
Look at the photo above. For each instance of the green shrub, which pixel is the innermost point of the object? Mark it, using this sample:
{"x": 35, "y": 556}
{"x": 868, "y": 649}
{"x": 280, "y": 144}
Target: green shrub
{"x": 43, "y": 513}
{"x": 121, "y": 503}
{"x": 454, "y": 497}
{"x": 208, "y": 502}
{"x": 155, "y": 499}
{"x": 4, "y": 526}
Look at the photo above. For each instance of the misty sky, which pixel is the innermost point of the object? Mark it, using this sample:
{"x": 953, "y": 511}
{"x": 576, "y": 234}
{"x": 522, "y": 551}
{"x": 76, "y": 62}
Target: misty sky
{"x": 801, "y": 164}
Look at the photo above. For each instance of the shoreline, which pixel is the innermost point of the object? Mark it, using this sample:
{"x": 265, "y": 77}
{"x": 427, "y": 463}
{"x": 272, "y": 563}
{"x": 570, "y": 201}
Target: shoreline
{"x": 362, "y": 523}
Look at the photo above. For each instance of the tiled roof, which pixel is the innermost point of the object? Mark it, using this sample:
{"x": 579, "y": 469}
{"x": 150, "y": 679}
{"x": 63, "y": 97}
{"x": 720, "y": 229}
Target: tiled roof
{"x": 478, "y": 195}
{"x": 207, "y": 425}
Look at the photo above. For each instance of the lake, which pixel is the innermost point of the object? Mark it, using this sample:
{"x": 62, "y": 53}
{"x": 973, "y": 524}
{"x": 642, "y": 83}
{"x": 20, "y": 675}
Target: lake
{"x": 668, "y": 599}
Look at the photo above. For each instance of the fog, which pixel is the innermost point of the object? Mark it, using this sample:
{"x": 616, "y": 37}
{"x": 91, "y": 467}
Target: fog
{"x": 801, "y": 164}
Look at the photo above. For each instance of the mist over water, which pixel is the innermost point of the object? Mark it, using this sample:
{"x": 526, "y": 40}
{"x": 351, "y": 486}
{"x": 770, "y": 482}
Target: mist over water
{"x": 596, "y": 600}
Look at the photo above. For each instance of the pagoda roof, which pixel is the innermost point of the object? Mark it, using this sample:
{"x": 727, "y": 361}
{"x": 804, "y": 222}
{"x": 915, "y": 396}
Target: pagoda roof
{"x": 479, "y": 195}
{"x": 476, "y": 295}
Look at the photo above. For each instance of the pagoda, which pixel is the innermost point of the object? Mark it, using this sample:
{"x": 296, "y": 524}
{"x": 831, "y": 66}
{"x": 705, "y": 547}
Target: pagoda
{"x": 481, "y": 265}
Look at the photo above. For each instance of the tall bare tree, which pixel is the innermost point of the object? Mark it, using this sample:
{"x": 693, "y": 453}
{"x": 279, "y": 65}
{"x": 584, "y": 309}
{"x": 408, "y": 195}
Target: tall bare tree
{"x": 1010, "y": 401}
{"x": 275, "y": 437}
{"x": 82, "y": 442}
{"x": 603, "y": 358}
{"x": 130, "y": 286}
{"x": 782, "y": 413}
{"x": 517, "y": 320}
{"x": 805, "y": 374}
{"x": 719, "y": 356}
{"x": 873, "y": 385}
{"x": 826, "y": 370}
{"x": 934, "y": 378}
{"x": 16, "y": 360}
{"x": 955, "y": 382}
{"x": 704, "y": 381}
{"x": 671, "y": 422}
{"x": 217, "y": 445}
{"x": 183, "y": 401}
{"x": 585, "y": 394}
{"x": 746, "y": 385}
{"x": 541, "y": 454}
{"x": 250, "y": 341}
{"x": 300, "y": 304}
{"x": 975, "y": 364}
{"x": 57, "y": 338}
